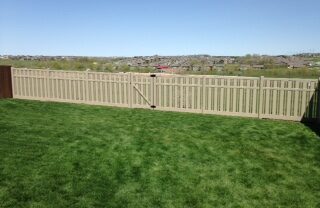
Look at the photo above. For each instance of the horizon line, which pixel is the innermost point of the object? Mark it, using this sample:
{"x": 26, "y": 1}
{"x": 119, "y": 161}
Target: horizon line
{"x": 126, "y": 56}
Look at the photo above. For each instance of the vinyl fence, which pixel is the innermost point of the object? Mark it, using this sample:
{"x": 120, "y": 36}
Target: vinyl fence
{"x": 275, "y": 98}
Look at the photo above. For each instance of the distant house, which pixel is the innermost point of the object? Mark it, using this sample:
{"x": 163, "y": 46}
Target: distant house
{"x": 244, "y": 67}
{"x": 175, "y": 66}
{"x": 218, "y": 67}
{"x": 186, "y": 67}
{"x": 167, "y": 70}
{"x": 314, "y": 64}
{"x": 161, "y": 67}
{"x": 295, "y": 65}
{"x": 4, "y": 57}
{"x": 291, "y": 62}
{"x": 196, "y": 68}
{"x": 258, "y": 66}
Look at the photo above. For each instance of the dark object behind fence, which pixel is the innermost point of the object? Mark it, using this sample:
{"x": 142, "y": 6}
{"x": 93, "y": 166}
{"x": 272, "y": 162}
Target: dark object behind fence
{"x": 318, "y": 114}
{"x": 5, "y": 82}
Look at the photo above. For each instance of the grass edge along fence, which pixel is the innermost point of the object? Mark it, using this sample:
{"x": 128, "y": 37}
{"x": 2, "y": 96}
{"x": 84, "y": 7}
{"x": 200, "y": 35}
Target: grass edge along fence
{"x": 260, "y": 97}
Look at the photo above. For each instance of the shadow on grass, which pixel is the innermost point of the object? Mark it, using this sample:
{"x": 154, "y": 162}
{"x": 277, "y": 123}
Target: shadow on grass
{"x": 313, "y": 126}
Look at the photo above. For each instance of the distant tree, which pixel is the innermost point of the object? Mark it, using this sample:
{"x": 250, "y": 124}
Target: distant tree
{"x": 56, "y": 65}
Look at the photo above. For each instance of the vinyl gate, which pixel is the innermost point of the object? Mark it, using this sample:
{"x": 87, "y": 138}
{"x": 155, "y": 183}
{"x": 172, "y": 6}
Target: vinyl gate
{"x": 275, "y": 98}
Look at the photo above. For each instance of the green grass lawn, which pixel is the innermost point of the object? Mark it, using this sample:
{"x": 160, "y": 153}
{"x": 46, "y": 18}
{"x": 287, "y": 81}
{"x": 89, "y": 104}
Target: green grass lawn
{"x": 68, "y": 155}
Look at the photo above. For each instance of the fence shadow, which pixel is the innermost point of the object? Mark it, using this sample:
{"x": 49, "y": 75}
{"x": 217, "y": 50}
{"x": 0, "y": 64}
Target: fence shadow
{"x": 312, "y": 113}
{"x": 314, "y": 127}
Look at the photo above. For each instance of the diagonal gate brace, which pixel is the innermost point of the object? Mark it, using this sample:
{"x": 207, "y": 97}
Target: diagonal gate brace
{"x": 144, "y": 97}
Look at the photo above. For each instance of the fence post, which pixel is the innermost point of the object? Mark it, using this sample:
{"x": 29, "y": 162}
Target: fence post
{"x": 152, "y": 81}
{"x": 5, "y": 82}
{"x": 260, "y": 97}
{"x": 46, "y": 84}
{"x": 86, "y": 87}
{"x": 203, "y": 95}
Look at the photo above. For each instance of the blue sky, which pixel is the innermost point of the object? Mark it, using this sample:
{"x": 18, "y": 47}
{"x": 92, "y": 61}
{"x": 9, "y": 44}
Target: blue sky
{"x": 166, "y": 27}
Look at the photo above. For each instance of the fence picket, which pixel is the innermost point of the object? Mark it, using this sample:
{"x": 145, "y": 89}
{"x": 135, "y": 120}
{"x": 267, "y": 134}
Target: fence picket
{"x": 267, "y": 98}
{"x": 260, "y": 110}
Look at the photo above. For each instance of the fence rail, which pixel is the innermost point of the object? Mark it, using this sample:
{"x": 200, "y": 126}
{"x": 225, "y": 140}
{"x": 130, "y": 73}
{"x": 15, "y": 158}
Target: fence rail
{"x": 275, "y": 98}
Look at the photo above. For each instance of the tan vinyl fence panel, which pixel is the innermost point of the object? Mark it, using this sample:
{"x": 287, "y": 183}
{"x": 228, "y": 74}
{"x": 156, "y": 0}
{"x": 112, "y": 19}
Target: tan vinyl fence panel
{"x": 290, "y": 99}
{"x": 287, "y": 99}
